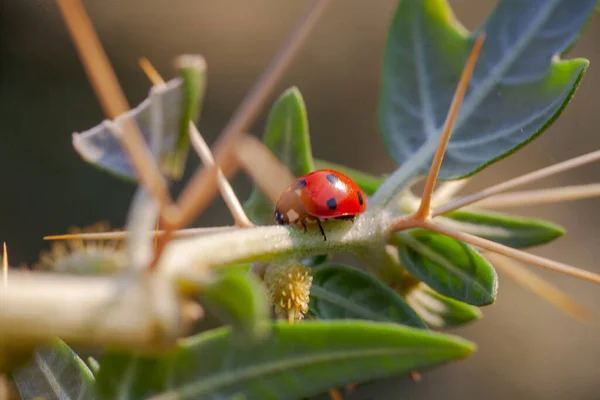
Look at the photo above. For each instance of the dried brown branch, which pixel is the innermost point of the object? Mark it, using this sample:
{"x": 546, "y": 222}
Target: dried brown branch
{"x": 4, "y": 265}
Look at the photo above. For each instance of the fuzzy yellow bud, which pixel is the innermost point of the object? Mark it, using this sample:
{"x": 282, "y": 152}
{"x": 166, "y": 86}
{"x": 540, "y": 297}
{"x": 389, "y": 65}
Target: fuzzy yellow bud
{"x": 289, "y": 290}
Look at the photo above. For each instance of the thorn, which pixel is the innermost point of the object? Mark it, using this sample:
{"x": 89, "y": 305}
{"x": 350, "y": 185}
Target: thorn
{"x": 150, "y": 71}
{"x": 335, "y": 394}
{"x": 4, "y": 265}
{"x": 415, "y": 376}
{"x": 463, "y": 84}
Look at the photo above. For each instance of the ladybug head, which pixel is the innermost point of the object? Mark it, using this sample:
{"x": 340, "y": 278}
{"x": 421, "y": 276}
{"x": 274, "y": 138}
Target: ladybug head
{"x": 279, "y": 217}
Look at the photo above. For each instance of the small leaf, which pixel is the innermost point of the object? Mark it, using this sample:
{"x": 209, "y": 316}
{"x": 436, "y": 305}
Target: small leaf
{"x": 511, "y": 231}
{"x": 440, "y": 311}
{"x": 240, "y": 299}
{"x": 192, "y": 69}
{"x": 450, "y": 267}
{"x": 286, "y": 135}
{"x": 296, "y": 361}
{"x": 55, "y": 372}
{"x": 519, "y": 85}
{"x": 159, "y": 118}
{"x": 367, "y": 182}
{"x": 341, "y": 292}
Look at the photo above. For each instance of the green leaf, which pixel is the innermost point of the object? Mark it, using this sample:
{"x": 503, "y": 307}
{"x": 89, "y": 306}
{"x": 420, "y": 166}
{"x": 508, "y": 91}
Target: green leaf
{"x": 192, "y": 69}
{"x": 240, "y": 299}
{"x": 519, "y": 85}
{"x": 296, "y": 361}
{"x": 440, "y": 311}
{"x": 287, "y": 136}
{"x": 511, "y": 231}
{"x": 55, "y": 372}
{"x": 450, "y": 267}
{"x": 159, "y": 118}
{"x": 342, "y": 292}
{"x": 367, "y": 182}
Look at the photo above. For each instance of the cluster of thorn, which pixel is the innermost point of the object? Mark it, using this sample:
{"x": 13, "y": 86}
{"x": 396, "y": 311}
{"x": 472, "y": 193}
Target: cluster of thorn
{"x": 289, "y": 290}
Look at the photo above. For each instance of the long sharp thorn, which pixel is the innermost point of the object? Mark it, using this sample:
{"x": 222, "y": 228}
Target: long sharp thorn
{"x": 513, "y": 253}
{"x": 425, "y": 206}
{"x": 4, "y": 265}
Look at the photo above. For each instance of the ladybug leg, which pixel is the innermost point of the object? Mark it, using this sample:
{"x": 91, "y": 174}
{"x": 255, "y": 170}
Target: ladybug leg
{"x": 322, "y": 231}
{"x": 304, "y": 225}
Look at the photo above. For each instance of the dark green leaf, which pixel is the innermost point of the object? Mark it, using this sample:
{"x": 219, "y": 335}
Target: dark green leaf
{"x": 341, "y": 292}
{"x": 519, "y": 85}
{"x": 159, "y": 118}
{"x": 440, "y": 311}
{"x": 287, "y": 136}
{"x": 511, "y": 231}
{"x": 296, "y": 361}
{"x": 367, "y": 182}
{"x": 450, "y": 267}
{"x": 55, "y": 372}
{"x": 240, "y": 299}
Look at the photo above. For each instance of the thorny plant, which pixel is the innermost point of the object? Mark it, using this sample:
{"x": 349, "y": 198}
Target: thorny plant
{"x": 401, "y": 239}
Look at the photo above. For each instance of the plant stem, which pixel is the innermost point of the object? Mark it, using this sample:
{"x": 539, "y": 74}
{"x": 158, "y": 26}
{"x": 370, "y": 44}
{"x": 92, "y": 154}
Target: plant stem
{"x": 125, "y": 234}
{"x": 202, "y": 187}
{"x": 541, "y": 196}
{"x": 139, "y": 312}
{"x": 518, "y": 181}
{"x": 4, "y": 265}
{"x": 512, "y": 253}
{"x": 112, "y": 98}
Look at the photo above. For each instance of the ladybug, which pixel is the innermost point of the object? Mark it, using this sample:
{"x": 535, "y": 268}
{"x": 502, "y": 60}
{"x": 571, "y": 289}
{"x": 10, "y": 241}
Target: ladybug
{"x": 322, "y": 194}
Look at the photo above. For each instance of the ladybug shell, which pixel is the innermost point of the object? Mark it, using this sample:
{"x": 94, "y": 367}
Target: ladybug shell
{"x": 329, "y": 194}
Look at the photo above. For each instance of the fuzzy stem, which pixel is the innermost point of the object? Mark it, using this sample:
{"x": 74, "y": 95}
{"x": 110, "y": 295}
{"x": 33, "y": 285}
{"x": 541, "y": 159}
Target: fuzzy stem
{"x": 512, "y": 253}
{"x": 182, "y": 233}
{"x": 518, "y": 181}
{"x": 141, "y": 312}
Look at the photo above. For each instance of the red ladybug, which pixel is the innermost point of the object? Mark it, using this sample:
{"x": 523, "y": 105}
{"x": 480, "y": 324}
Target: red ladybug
{"x": 322, "y": 194}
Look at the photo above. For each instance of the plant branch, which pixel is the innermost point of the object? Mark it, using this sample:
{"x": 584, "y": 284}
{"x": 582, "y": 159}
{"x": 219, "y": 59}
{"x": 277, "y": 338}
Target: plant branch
{"x": 540, "y": 287}
{"x": 134, "y": 311}
{"x": 112, "y": 98}
{"x": 518, "y": 181}
{"x": 425, "y": 206}
{"x": 541, "y": 196}
{"x": 202, "y": 187}
{"x": 512, "y": 253}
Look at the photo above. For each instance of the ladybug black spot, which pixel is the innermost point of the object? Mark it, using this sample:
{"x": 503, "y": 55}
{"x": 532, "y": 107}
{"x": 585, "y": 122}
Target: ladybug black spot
{"x": 332, "y": 204}
{"x": 332, "y": 179}
{"x": 300, "y": 184}
{"x": 360, "y": 198}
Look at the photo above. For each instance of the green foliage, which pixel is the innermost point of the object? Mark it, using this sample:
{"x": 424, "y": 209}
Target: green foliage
{"x": 342, "y": 292}
{"x": 518, "y": 88}
{"x": 55, "y": 372}
{"x": 511, "y": 231}
{"x": 450, "y": 267}
{"x": 295, "y": 361}
{"x": 287, "y": 136}
{"x": 240, "y": 299}
{"x": 440, "y": 311}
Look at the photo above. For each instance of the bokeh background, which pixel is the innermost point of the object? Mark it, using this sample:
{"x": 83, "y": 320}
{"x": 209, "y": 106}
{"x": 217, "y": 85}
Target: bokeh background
{"x": 526, "y": 348}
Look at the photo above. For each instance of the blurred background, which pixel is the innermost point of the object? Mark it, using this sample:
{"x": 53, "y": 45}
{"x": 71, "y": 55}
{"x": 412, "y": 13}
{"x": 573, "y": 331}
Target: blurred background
{"x": 526, "y": 348}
